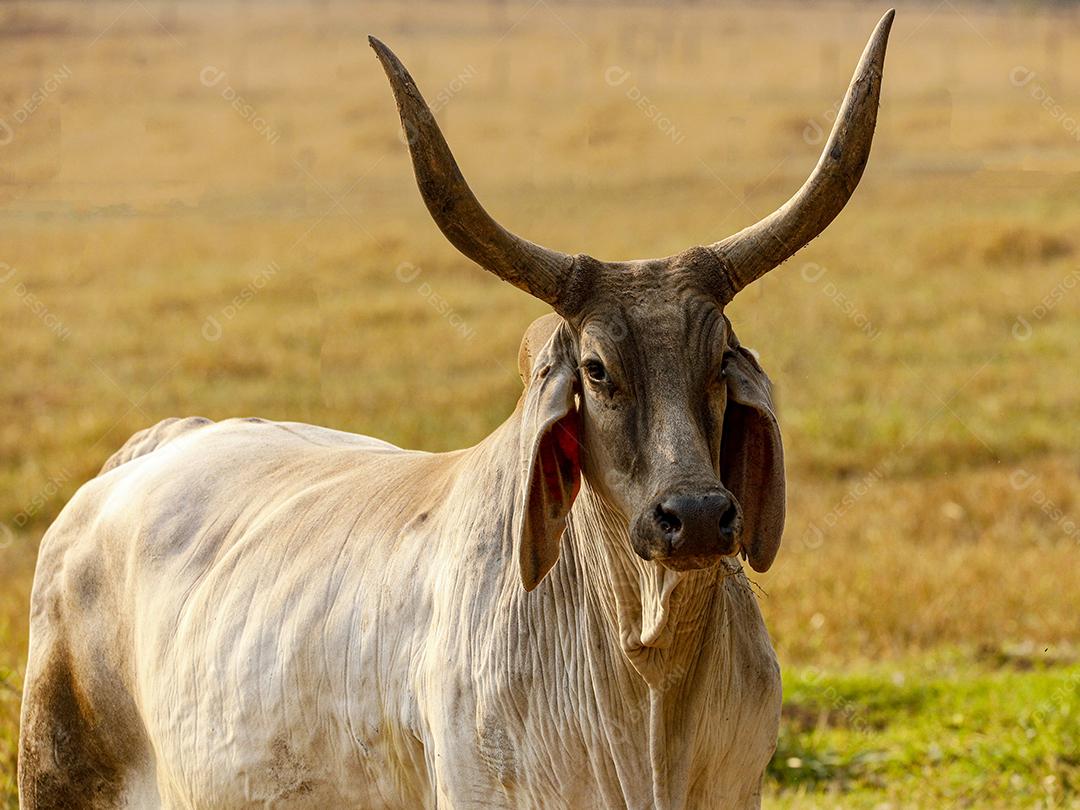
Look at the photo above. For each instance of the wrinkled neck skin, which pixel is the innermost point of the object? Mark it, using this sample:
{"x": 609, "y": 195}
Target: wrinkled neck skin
{"x": 656, "y": 617}
{"x": 660, "y": 649}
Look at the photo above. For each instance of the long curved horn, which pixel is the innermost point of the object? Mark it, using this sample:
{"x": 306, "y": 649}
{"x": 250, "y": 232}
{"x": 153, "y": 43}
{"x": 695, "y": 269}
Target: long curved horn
{"x": 541, "y": 272}
{"x": 755, "y": 250}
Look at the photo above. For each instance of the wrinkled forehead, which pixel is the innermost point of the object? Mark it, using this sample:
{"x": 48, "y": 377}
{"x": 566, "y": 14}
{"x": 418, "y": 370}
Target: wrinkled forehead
{"x": 651, "y": 306}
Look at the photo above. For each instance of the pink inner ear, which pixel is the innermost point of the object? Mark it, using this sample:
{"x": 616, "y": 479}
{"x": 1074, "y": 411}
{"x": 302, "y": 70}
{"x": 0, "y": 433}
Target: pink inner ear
{"x": 560, "y": 461}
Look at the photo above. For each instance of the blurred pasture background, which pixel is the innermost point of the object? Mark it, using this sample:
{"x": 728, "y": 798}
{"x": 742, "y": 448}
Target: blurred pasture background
{"x": 208, "y": 209}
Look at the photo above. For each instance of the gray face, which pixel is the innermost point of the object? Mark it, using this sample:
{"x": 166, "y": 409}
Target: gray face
{"x": 651, "y": 348}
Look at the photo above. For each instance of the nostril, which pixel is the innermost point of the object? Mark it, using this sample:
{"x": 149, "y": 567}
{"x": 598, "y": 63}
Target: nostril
{"x": 727, "y": 520}
{"x": 667, "y": 520}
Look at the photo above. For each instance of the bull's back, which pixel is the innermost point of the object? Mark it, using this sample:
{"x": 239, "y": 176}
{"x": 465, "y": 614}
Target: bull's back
{"x": 221, "y": 582}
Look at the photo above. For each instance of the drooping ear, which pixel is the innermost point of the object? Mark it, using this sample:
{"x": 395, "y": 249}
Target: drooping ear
{"x": 550, "y": 471}
{"x": 752, "y": 457}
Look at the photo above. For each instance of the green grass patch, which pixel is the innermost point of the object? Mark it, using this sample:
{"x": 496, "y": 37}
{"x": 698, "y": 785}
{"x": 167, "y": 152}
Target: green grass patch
{"x": 936, "y": 733}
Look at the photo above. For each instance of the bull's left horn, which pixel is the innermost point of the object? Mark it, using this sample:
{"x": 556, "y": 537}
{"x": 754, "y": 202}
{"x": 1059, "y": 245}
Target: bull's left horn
{"x": 754, "y": 251}
{"x": 539, "y": 271}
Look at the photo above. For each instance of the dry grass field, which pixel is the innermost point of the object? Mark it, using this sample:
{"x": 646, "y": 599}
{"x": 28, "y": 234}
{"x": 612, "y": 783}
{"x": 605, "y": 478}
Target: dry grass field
{"x": 207, "y": 209}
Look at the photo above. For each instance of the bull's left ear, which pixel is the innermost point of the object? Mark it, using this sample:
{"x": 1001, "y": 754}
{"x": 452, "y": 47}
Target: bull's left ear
{"x": 550, "y": 457}
{"x": 752, "y": 457}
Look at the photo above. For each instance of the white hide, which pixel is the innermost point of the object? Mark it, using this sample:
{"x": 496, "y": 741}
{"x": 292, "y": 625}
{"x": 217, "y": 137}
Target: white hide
{"x": 279, "y": 615}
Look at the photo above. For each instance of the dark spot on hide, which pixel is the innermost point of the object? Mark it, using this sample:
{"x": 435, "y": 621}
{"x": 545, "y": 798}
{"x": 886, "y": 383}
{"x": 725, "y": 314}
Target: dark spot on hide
{"x": 68, "y": 757}
{"x": 87, "y": 585}
{"x": 496, "y": 749}
{"x": 288, "y": 772}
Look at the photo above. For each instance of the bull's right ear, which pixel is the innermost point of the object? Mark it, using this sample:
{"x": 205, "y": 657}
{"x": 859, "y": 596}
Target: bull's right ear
{"x": 550, "y": 457}
{"x": 752, "y": 456}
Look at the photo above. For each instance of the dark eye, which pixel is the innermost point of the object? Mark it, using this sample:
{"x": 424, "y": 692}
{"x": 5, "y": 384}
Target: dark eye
{"x": 595, "y": 370}
{"x": 719, "y": 377}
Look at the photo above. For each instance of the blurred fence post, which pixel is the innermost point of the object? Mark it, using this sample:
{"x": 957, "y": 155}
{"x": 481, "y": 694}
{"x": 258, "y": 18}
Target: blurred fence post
{"x": 500, "y": 72}
{"x": 690, "y": 44}
{"x": 1052, "y": 59}
{"x": 497, "y": 16}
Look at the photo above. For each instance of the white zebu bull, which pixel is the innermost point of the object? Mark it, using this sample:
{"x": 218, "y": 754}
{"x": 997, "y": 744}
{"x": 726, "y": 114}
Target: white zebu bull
{"x": 252, "y": 613}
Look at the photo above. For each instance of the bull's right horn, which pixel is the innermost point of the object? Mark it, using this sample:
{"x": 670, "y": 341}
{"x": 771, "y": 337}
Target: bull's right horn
{"x": 539, "y": 271}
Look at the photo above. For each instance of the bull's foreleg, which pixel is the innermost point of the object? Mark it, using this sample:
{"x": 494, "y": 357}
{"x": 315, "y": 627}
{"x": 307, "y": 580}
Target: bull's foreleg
{"x": 64, "y": 760}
